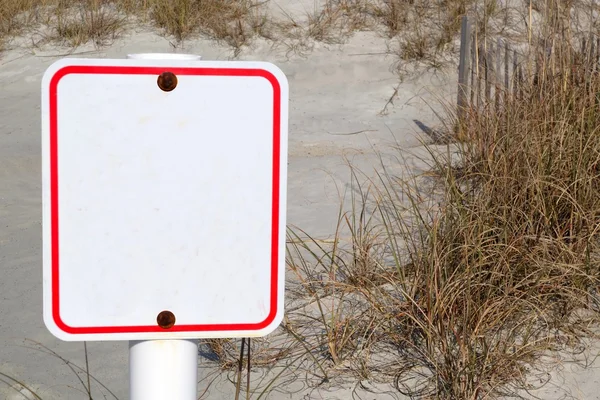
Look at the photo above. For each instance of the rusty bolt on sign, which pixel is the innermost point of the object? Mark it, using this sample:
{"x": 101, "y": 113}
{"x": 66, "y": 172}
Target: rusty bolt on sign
{"x": 165, "y": 319}
{"x": 167, "y": 81}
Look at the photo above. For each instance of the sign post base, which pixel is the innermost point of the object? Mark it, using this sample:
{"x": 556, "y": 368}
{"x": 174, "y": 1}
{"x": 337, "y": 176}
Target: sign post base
{"x": 163, "y": 369}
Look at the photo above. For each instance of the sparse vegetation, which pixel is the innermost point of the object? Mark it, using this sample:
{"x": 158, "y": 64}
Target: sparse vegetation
{"x": 450, "y": 285}
{"x": 100, "y": 21}
{"x": 464, "y": 287}
{"x": 232, "y": 21}
{"x": 472, "y": 280}
{"x": 90, "y": 20}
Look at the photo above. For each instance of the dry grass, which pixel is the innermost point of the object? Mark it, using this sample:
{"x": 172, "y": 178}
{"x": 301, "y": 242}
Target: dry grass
{"x": 426, "y": 32}
{"x": 15, "y": 16}
{"x": 423, "y": 29}
{"x": 459, "y": 291}
{"x": 84, "y": 382}
{"x": 74, "y": 23}
{"x": 232, "y": 21}
{"x": 226, "y": 352}
{"x": 337, "y": 20}
{"x": 68, "y": 22}
{"x": 461, "y": 301}
{"x": 87, "y": 21}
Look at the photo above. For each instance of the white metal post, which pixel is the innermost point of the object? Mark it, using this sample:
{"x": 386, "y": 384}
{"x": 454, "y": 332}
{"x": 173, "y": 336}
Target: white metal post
{"x": 163, "y": 369}
{"x": 163, "y": 56}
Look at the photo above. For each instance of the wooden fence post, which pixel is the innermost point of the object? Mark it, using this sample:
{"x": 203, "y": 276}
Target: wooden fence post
{"x": 463, "y": 66}
{"x": 480, "y": 77}
{"x": 597, "y": 59}
{"x": 473, "y": 70}
{"x": 506, "y": 64}
{"x": 498, "y": 74}
{"x": 592, "y": 54}
{"x": 489, "y": 71}
{"x": 515, "y": 74}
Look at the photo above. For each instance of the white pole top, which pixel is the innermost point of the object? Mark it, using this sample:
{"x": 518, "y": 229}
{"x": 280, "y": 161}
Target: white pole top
{"x": 163, "y": 56}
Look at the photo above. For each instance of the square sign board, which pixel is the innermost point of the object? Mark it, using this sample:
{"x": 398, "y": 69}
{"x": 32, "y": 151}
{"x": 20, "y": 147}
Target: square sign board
{"x": 164, "y": 197}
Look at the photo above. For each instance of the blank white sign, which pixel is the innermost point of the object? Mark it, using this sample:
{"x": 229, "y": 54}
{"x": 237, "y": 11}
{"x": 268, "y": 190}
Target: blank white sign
{"x": 163, "y": 201}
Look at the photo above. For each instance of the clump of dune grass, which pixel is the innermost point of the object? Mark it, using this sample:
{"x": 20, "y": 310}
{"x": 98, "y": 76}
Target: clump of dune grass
{"x": 231, "y": 21}
{"x": 96, "y": 21}
{"x": 335, "y": 322}
{"x": 77, "y": 22}
{"x": 15, "y": 17}
{"x": 71, "y": 23}
{"x": 422, "y": 29}
{"x": 336, "y": 20}
{"x": 455, "y": 286}
{"x": 225, "y": 352}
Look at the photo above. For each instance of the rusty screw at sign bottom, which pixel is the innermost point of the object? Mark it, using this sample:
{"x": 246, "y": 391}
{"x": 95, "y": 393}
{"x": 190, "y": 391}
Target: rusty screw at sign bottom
{"x": 165, "y": 319}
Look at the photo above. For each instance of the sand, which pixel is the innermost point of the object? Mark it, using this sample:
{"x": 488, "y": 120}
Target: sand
{"x": 338, "y": 93}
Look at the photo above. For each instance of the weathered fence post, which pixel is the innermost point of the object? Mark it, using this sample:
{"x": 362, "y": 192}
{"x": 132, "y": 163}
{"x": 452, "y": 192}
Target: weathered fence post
{"x": 498, "y": 75}
{"x": 515, "y": 74}
{"x": 474, "y": 72}
{"x": 506, "y": 64}
{"x": 597, "y": 58}
{"x": 488, "y": 54}
{"x": 592, "y": 54}
{"x": 480, "y": 76}
{"x": 463, "y": 66}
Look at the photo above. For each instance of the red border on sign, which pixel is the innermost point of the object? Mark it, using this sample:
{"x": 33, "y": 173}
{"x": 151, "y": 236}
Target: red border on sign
{"x": 55, "y": 259}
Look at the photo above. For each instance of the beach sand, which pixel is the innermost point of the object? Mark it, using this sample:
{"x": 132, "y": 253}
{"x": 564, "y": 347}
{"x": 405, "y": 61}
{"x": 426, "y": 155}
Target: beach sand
{"x": 338, "y": 93}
